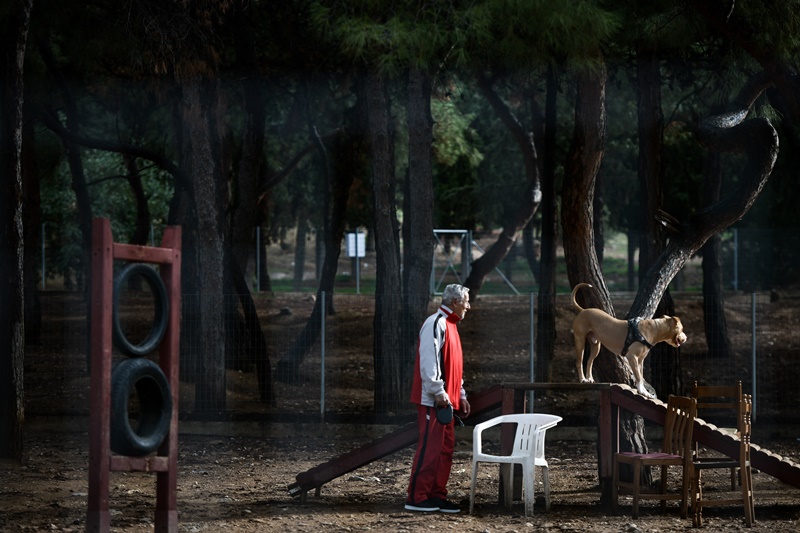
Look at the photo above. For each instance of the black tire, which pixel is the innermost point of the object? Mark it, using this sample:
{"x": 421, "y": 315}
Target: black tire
{"x": 155, "y": 407}
{"x": 161, "y": 320}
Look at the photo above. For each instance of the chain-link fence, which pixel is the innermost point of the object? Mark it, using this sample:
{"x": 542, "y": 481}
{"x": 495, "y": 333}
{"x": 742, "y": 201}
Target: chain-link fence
{"x": 336, "y": 371}
{"x": 336, "y": 379}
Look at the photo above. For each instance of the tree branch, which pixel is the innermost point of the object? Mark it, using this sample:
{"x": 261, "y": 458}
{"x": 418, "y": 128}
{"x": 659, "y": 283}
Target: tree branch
{"x": 160, "y": 160}
{"x": 55, "y": 125}
{"x": 725, "y": 132}
{"x": 278, "y": 176}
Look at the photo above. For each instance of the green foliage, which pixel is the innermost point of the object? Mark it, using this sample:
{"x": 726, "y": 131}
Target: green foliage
{"x": 393, "y": 36}
{"x": 454, "y": 136}
{"x": 309, "y": 52}
{"x": 62, "y": 236}
{"x": 112, "y": 198}
{"x": 536, "y": 32}
{"x": 457, "y": 195}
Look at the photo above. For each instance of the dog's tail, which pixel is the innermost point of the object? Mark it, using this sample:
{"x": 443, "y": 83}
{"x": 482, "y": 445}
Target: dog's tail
{"x": 575, "y": 291}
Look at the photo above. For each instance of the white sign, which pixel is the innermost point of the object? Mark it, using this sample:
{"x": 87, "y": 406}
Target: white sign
{"x": 356, "y": 245}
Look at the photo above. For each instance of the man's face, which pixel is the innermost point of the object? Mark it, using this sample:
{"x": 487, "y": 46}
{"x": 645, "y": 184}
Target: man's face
{"x": 460, "y": 308}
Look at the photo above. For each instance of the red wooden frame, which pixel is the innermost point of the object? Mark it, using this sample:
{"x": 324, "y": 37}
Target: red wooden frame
{"x": 101, "y": 462}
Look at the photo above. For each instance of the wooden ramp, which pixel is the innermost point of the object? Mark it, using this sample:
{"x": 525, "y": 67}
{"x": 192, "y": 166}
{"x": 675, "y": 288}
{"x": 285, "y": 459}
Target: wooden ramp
{"x": 709, "y": 435}
{"x": 399, "y": 439}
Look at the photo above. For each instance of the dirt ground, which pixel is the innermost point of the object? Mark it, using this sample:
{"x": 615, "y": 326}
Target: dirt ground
{"x": 233, "y": 476}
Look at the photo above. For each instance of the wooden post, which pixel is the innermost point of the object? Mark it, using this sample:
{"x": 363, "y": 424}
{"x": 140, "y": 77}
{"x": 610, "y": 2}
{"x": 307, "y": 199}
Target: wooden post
{"x": 101, "y": 461}
{"x": 97, "y": 518}
{"x": 606, "y": 424}
{"x": 167, "y": 482}
{"x": 513, "y": 402}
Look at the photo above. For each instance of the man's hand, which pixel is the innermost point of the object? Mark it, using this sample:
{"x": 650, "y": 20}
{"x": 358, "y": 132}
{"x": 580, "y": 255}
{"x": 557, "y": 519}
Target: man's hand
{"x": 464, "y": 408}
{"x": 442, "y": 400}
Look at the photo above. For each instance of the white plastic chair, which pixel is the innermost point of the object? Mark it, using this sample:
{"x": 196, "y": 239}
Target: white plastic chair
{"x": 528, "y": 451}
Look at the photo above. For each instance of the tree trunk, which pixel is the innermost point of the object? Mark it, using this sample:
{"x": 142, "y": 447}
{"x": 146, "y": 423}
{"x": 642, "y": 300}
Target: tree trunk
{"x": 255, "y": 341}
{"x": 264, "y": 281}
{"x": 203, "y": 221}
{"x": 583, "y": 161}
{"x": 247, "y": 214}
{"x": 715, "y": 324}
{"x": 529, "y": 200}
{"x": 650, "y": 164}
{"x": 664, "y": 360}
{"x": 32, "y": 215}
{"x": 577, "y": 216}
{"x": 597, "y": 223}
{"x": 347, "y": 154}
{"x": 300, "y": 250}
{"x": 530, "y": 250}
{"x": 388, "y": 354}
{"x": 418, "y": 240}
{"x": 14, "y": 22}
{"x": 546, "y": 321}
{"x": 633, "y": 238}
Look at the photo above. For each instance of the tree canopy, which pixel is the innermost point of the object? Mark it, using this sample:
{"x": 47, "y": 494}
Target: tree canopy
{"x": 225, "y": 116}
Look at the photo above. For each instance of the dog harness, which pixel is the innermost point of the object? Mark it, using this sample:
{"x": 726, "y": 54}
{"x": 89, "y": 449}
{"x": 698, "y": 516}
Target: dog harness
{"x": 634, "y": 335}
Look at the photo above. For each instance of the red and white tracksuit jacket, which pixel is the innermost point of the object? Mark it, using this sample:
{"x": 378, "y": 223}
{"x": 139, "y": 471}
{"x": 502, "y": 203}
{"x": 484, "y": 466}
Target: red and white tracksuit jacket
{"x": 438, "y": 368}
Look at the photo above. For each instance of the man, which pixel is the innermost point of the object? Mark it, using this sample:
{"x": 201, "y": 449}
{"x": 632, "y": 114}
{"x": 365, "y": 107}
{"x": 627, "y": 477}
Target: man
{"x": 438, "y": 383}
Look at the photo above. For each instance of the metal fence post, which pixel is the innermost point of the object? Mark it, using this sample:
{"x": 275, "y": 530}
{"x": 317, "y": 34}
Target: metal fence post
{"x": 532, "y": 307}
{"x": 753, "y": 348}
{"x": 44, "y": 273}
{"x": 322, "y": 357}
{"x": 258, "y": 259}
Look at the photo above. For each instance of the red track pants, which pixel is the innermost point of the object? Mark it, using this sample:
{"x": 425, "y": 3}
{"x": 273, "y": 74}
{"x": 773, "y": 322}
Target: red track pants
{"x": 433, "y": 459}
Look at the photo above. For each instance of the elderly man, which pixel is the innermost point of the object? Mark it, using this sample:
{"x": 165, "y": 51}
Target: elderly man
{"x": 438, "y": 383}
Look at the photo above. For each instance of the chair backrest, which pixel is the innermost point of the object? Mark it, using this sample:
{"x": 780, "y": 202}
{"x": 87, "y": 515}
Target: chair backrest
{"x": 718, "y": 403}
{"x": 529, "y": 437}
{"x": 679, "y": 425}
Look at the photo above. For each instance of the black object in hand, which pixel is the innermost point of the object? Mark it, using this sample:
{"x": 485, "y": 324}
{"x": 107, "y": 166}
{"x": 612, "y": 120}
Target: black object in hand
{"x": 444, "y": 415}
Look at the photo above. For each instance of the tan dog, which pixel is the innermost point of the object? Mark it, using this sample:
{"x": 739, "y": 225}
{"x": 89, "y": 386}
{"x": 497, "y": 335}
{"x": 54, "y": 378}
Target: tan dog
{"x": 631, "y": 339}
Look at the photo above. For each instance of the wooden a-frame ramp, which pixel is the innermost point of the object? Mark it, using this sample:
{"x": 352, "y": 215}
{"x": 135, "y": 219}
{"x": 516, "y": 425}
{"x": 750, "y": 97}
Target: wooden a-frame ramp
{"x": 708, "y": 434}
{"x": 508, "y": 397}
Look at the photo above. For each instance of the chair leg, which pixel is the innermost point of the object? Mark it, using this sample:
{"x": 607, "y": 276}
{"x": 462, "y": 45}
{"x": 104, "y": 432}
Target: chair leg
{"x": 472, "y": 486}
{"x": 747, "y": 496}
{"x": 733, "y": 479}
{"x": 637, "y": 480}
{"x": 507, "y": 476}
{"x": 685, "y": 488}
{"x": 546, "y": 479}
{"x": 529, "y": 477}
{"x": 615, "y": 487}
{"x": 697, "y": 496}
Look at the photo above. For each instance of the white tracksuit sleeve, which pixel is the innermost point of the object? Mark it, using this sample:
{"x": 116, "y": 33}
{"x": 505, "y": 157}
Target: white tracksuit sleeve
{"x": 431, "y": 337}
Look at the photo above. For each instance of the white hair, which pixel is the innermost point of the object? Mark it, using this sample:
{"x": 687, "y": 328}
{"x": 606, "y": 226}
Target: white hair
{"x": 454, "y": 293}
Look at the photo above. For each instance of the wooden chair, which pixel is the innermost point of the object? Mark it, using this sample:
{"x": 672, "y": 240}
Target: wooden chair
{"x": 718, "y": 404}
{"x": 745, "y": 497}
{"x": 676, "y": 450}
